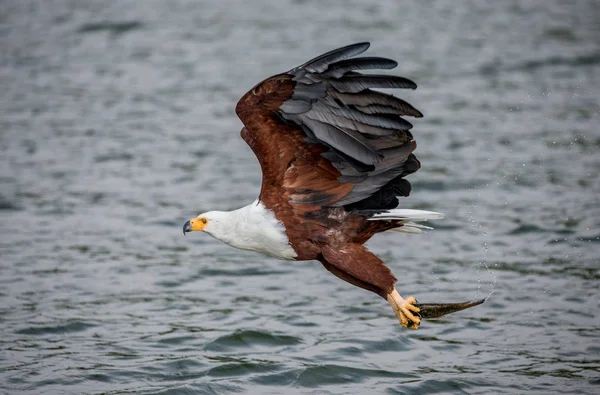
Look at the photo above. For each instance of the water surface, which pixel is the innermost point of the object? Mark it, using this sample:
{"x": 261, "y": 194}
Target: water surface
{"x": 117, "y": 125}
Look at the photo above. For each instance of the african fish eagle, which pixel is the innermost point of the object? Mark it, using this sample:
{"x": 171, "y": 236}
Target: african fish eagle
{"x": 334, "y": 154}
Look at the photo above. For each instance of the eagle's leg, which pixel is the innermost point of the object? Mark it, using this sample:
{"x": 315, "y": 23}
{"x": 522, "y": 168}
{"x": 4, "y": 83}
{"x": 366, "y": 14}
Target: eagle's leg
{"x": 355, "y": 264}
{"x": 405, "y": 309}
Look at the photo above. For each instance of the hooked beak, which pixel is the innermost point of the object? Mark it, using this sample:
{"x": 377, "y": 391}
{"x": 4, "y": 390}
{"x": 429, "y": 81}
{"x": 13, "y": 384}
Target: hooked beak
{"x": 194, "y": 224}
{"x": 187, "y": 227}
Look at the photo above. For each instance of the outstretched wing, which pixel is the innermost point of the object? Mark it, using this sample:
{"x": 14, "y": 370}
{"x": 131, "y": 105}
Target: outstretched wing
{"x": 323, "y": 135}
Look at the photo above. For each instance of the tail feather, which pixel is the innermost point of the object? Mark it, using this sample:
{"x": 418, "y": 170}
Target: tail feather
{"x": 408, "y": 229}
{"x": 408, "y": 218}
{"x": 406, "y": 214}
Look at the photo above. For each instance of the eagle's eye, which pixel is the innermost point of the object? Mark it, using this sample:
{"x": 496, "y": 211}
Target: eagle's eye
{"x": 203, "y": 220}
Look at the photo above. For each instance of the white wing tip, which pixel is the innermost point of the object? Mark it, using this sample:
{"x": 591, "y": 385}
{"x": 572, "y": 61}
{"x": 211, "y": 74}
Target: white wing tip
{"x": 407, "y": 215}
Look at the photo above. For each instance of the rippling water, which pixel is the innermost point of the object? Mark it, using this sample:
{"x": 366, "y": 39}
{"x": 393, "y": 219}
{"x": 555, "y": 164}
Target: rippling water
{"x": 117, "y": 124}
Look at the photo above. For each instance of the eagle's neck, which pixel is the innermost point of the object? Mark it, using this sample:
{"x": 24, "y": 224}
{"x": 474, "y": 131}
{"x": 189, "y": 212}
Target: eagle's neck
{"x": 253, "y": 227}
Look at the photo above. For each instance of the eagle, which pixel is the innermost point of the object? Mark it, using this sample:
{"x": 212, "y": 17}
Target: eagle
{"x": 334, "y": 153}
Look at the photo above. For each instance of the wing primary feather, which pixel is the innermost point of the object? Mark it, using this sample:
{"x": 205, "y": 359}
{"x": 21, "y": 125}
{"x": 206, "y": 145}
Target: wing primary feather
{"x": 392, "y": 154}
{"x": 383, "y": 109}
{"x": 369, "y": 97}
{"x": 349, "y": 142}
{"x": 381, "y": 120}
{"x": 365, "y": 189}
{"x": 338, "y": 69}
{"x": 320, "y": 63}
{"x": 385, "y": 142}
{"x": 345, "y": 163}
{"x": 358, "y": 83}
{"x": 345, "y": 123}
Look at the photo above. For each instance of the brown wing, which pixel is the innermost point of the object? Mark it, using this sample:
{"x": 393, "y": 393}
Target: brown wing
{"x": 324, "y": 138}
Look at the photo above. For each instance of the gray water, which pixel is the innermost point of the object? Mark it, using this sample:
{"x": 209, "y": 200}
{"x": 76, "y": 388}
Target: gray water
{"x": 117, "y": 125}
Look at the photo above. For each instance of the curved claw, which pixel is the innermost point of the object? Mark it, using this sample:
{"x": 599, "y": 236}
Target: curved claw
{"x": 412, "y": 313}
{"x": 405, "y": 309}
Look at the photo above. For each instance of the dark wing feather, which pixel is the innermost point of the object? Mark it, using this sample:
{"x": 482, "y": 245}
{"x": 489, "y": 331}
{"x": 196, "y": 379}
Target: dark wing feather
{"x": 320, "y": 63}
{"x": 340, "y": 68}
{"x": 325, "y": 138}
{"x": 369, "y": 98}
{"x": 359, "y": 82}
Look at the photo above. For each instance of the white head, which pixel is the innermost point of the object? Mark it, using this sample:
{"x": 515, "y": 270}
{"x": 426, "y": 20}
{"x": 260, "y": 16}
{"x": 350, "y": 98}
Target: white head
{"x": 252, "y": 227}
{"x": 215, "y": 223}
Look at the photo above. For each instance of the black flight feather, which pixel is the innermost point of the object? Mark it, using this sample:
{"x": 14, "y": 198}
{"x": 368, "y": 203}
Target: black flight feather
{"x": 320, "y": 63}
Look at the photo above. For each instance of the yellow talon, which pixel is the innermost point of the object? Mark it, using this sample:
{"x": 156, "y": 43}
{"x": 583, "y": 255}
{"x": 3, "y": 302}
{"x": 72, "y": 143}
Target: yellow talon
{"x": 404, "y": 309}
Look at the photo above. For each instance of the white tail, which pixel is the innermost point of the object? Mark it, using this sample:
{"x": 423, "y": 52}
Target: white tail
{"x": 408, "y": 218}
